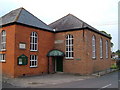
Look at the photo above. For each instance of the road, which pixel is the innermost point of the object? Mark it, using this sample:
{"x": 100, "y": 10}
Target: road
{"x": 107, "y": 81}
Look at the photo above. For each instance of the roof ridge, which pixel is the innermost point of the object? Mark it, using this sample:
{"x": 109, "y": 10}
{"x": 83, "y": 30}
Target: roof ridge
{"x": 60, "y": 18}
{"x": 68, "y": 15}
{"x": 84, "y": 22}
{"x": 37, "y": 17}
{"x": 18, "y": 13}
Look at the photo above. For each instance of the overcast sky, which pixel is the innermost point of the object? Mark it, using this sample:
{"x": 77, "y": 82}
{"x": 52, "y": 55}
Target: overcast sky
{"x": 101, "y": 14}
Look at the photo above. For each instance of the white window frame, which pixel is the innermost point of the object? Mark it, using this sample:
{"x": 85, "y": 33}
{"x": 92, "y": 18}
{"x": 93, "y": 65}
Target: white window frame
{"x": 2, "y": 57}
{"x": 33, "y": 44}
{"x": 69, "y": 47}
{"x": 101, "y": 48}
{"x": 93, "y": 47}
{"x": 106, "y": 48}
{"x": 34, "y": 60}
{"x": 3, "y": 40}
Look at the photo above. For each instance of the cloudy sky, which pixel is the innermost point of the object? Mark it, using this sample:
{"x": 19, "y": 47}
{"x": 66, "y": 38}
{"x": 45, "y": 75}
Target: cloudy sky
{"x": 101, "y": 14}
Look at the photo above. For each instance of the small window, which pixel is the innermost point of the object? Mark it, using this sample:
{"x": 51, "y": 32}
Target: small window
{"x": 69, "y": 47}
{"x": 33, "y": 41}
{"x": 2, "y": 57}
{"x": 22, "y": 46}
{"x": 93, "y": 47}
{"x": 33, "y": 60}
{"x": 106, "y": 49}
{"x": 101, "y": 48}
{"x": 3, "y": 40}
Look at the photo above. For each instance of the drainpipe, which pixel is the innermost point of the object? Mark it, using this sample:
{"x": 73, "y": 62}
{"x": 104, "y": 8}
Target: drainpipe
{"x": 83, "y": 30}
{"x": 48, "y": 64}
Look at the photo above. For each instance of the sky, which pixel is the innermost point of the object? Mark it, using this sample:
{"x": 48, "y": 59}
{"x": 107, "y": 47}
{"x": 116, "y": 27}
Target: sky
{"x": 101, "y": 14}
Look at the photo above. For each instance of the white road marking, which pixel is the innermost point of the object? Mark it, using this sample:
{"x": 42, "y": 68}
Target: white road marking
{"x": 107, "y": 85}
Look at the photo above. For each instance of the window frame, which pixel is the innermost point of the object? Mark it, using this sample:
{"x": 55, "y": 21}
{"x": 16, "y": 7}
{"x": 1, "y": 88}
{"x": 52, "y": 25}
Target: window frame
{"x": 3, "y": 57}
{"x": 33, "y": 58}
{"x": 34, "y": 41}
{"x": 3, "y": 40}
{"x": 69, "y": 44}
{"x": 93, "y": 47}
{"x": 101, "y": 48}
{"x": 106, "y": 46}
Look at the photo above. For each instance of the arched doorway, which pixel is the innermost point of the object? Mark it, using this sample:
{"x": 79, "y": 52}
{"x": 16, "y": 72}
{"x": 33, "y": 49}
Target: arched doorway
{"x": 56, "y": 61}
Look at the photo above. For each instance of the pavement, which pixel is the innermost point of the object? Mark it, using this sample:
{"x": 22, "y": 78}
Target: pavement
{"x": 63, "y": 80}
{"x": 104, "y": 82}
{"x": 42, "y": 80}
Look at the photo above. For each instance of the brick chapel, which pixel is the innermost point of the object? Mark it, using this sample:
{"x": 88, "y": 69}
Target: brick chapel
{"x": 28, "y": 46}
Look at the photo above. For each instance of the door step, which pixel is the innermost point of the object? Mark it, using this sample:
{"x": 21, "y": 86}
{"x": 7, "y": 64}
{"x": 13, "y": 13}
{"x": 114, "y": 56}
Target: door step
{"x": 59, "y": 72}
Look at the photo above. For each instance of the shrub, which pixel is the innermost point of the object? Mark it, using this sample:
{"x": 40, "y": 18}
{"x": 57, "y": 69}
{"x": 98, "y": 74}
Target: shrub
{"x": 114, "y": 66}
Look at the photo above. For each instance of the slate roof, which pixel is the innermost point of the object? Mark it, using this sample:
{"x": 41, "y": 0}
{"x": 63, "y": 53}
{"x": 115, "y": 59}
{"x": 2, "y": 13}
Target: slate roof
{"x": 22, "y": 16}
{"x": 71, "y": 22}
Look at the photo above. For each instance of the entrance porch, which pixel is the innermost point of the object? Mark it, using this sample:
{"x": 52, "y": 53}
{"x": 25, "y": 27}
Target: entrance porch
{"x": 55, "y": 61}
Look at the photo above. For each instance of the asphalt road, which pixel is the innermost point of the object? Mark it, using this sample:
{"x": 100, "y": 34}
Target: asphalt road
{"x": 107, "y": 81}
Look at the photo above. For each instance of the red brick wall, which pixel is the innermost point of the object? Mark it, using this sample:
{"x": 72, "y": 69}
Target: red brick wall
{"x": 8, "y": 66}
{"x": 45, "y": 44}
{"x": 73, "y": 65}
{"x": 17, "y": 34}
{"x": 97, "y": 64}
{"x": 83, "y": 51}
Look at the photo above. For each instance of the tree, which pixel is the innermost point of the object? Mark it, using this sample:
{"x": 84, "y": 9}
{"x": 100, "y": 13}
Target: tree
{"x": 108, "y": 35}
{"x": 118, "y": 53}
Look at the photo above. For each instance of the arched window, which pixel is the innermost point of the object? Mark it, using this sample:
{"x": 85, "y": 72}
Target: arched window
{"x": 101, "y": 48}
{"x": 106, "y": 49}
{"x": 33, "y": 41}
{"x": 69, "y": 47}
{"x": 3, "y": 40}
{"x": 93, "y": 47}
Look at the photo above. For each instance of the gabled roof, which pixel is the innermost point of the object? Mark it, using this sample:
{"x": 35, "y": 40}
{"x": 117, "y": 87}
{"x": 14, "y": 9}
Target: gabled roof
{"x": 70, "y": 23}
{"x": 24, "y": 17}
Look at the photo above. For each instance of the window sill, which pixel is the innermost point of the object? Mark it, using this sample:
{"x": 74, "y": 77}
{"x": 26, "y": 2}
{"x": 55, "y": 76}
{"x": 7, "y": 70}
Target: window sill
{"x": 3, "y": 50}
{"x": 69, "y": 58}
{"x": 3, "y": 61}
{"x": 33, "y": 66}
{"x": 33, "y": 50}
{"x": 94, "y": 58}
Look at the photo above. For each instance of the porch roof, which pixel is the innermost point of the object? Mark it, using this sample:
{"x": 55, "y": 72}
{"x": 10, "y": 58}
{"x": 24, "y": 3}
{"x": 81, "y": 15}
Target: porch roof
{"x": 55, "y": 53}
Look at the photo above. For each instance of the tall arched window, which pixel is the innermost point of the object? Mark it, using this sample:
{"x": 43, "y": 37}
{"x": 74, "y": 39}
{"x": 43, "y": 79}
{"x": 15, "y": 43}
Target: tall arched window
{"x": 3, "y": 40}
{"x": 69, "y": 47}
{"x": 33, "y": 41}
{"x": 101, "y": 48}
{"x": 106, "y": 49}
{"x": 93, "y": 47}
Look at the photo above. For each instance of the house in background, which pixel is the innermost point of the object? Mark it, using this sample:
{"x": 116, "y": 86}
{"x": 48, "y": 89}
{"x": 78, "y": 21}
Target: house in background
{"x": 31, "y": 47}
